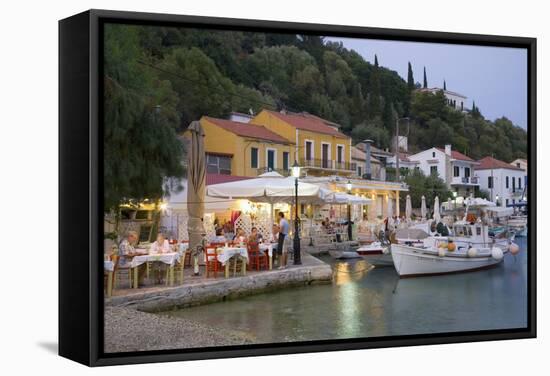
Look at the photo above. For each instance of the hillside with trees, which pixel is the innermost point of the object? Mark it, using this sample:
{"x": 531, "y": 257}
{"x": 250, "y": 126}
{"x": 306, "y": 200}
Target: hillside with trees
{"x": 187, "y": 73}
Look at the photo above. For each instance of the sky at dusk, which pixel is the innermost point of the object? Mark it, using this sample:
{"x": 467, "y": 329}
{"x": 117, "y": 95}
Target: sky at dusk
{"x": 494, "y": 77}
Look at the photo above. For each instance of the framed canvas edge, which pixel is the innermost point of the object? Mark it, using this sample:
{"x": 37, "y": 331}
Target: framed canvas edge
{"x": 98, "y": 358}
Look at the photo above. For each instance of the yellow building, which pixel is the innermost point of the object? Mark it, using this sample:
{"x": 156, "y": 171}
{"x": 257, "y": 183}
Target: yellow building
{"x": 320, "y": 147}
{"x": 241, "y": 149}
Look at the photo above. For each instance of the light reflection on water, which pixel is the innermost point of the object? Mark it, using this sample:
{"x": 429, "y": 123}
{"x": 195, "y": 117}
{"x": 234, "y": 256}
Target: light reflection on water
{"x": 360, "y": 303}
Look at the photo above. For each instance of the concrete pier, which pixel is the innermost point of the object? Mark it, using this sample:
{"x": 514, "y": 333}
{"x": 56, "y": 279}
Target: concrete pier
{"x": 203, "y": 291}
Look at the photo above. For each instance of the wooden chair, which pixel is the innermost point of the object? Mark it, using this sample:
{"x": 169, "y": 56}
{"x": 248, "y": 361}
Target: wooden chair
{"x": 255, "y": 258}
{"x": 121, "y": 273}
{"x": 211, "y": 261}
{"x": 237, "y": 264}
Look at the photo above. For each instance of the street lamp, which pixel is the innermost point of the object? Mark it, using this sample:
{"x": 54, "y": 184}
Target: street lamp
{"x": 296, "y": 175}
{"x": 348, "y": 188}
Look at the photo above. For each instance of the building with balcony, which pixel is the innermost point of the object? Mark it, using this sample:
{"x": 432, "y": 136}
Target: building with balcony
{"x": 240, "y": 149}
{"x": 501, "y": 180}
{"x": 319, "y": 146}
{"x": 455, "y": 168}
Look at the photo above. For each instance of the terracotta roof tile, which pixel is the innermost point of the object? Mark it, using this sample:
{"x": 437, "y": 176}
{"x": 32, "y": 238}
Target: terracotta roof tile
{"x": 309, "y": 123}
{"x": 457, "y": 155}
{"x": 493, "y": 163}
{"x": 248, "y": 130}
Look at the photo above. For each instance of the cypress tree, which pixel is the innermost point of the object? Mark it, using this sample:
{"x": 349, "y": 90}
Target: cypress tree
{"x": 375, "y": 61}
{"x": 410, "y": 77}
{"x": 444, "y": 85}
{"x": 425, "y": 79}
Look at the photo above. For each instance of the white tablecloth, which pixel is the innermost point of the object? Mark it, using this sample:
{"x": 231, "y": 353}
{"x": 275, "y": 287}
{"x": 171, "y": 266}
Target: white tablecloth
{"x": 109, "y": 266}
{"x": 225, "y": 253}
{"x": 167, "y": 258}
{"x": 269, "y": 248}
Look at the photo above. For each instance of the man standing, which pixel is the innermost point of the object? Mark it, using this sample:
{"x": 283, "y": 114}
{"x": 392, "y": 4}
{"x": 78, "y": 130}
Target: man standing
{"x": 283, "y": 232}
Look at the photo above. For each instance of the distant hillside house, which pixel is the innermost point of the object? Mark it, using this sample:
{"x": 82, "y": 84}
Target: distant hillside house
{"x": 455, "y": 168}
{"x": 502, "y": 180}
{"x": 454, "y": 100}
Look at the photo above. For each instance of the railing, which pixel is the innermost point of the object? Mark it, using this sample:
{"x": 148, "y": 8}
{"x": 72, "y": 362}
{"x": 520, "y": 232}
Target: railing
{"x": 465, "y": 180}
{"x": 328, "y": 164}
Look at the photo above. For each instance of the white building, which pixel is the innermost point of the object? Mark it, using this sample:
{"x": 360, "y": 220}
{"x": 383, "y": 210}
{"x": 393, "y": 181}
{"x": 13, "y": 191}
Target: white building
{"x": 455, "y": 168}
{"x": 404, "y": 161}
{"x": 454, "y": 100}
{"x": 502, "y": 180}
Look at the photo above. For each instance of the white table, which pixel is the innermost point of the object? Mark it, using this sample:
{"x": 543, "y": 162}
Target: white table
{"x": 269, "y": 247}
{"x": 166, "y": 258}
{"x": 225, "y": 253}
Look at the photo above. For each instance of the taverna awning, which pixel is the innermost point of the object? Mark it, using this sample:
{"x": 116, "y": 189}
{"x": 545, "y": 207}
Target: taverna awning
{"x": 345, "y": 198}
{"x": 267, "y": 189}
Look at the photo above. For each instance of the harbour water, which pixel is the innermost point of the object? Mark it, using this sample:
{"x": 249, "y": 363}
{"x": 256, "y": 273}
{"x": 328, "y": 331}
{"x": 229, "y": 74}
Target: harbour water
{"x": 361, "y": 302}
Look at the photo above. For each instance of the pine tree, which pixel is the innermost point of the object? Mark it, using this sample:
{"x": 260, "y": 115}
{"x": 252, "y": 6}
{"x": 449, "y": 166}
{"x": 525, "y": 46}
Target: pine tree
{"x": 375, "y": 61}
{"x": 410, "y": 78}
{"x": 444, "y": 85}
{"x": 425, "y": 79}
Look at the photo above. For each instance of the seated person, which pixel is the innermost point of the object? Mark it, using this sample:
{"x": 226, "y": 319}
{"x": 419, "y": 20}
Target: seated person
{"x": 160, "y": 245}
{"x": 127, "y": 250}
{"x": 255, "y": 236}
{"x": 274, "y": 234}
{"x": 239, "y": 236}
{"x": 220, "y": 237}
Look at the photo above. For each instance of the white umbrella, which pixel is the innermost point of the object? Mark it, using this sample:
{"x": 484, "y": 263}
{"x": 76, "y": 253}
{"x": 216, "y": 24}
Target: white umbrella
{"x": 423, "y": 208}
{"x": 437, "y": 216}
{"x": 408, "y": 208}
{"x": 345, "y": 198}
{"x": 267, "y": 189}
{"x": 271, "y": 174}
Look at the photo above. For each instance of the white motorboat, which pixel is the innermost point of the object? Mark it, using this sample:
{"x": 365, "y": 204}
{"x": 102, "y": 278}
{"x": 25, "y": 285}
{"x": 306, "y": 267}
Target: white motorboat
{"x": 376, "y": 254}
{"x": 470, "y": 248}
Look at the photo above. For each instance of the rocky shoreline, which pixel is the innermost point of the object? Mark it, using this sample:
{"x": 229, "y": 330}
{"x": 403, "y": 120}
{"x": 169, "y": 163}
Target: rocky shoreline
{"x": 128, "y": 329}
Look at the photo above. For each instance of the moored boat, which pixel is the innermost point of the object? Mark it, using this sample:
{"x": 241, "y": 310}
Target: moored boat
{"x": 469, "y": 249}
{"x": 376, "y": 254}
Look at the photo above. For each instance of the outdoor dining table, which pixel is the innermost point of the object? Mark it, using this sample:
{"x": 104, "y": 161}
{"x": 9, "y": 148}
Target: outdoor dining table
{"x": 226, "y": 253}
{"x": 109, "y": 267}
{"x": 167, "y": 258}
{"x": 269, "y": 247}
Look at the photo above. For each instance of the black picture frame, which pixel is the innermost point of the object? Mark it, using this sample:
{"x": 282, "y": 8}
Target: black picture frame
{"x": 80, "y": 187}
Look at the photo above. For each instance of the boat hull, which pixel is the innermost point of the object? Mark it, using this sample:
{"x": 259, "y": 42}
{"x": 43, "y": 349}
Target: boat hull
{"x": 376, "y": 255}
{"x": 414, "y": 262}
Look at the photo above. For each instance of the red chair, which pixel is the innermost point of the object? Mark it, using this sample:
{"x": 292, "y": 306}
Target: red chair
{"x": 212, "y": 263}
{"x": 256, "y": 259}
